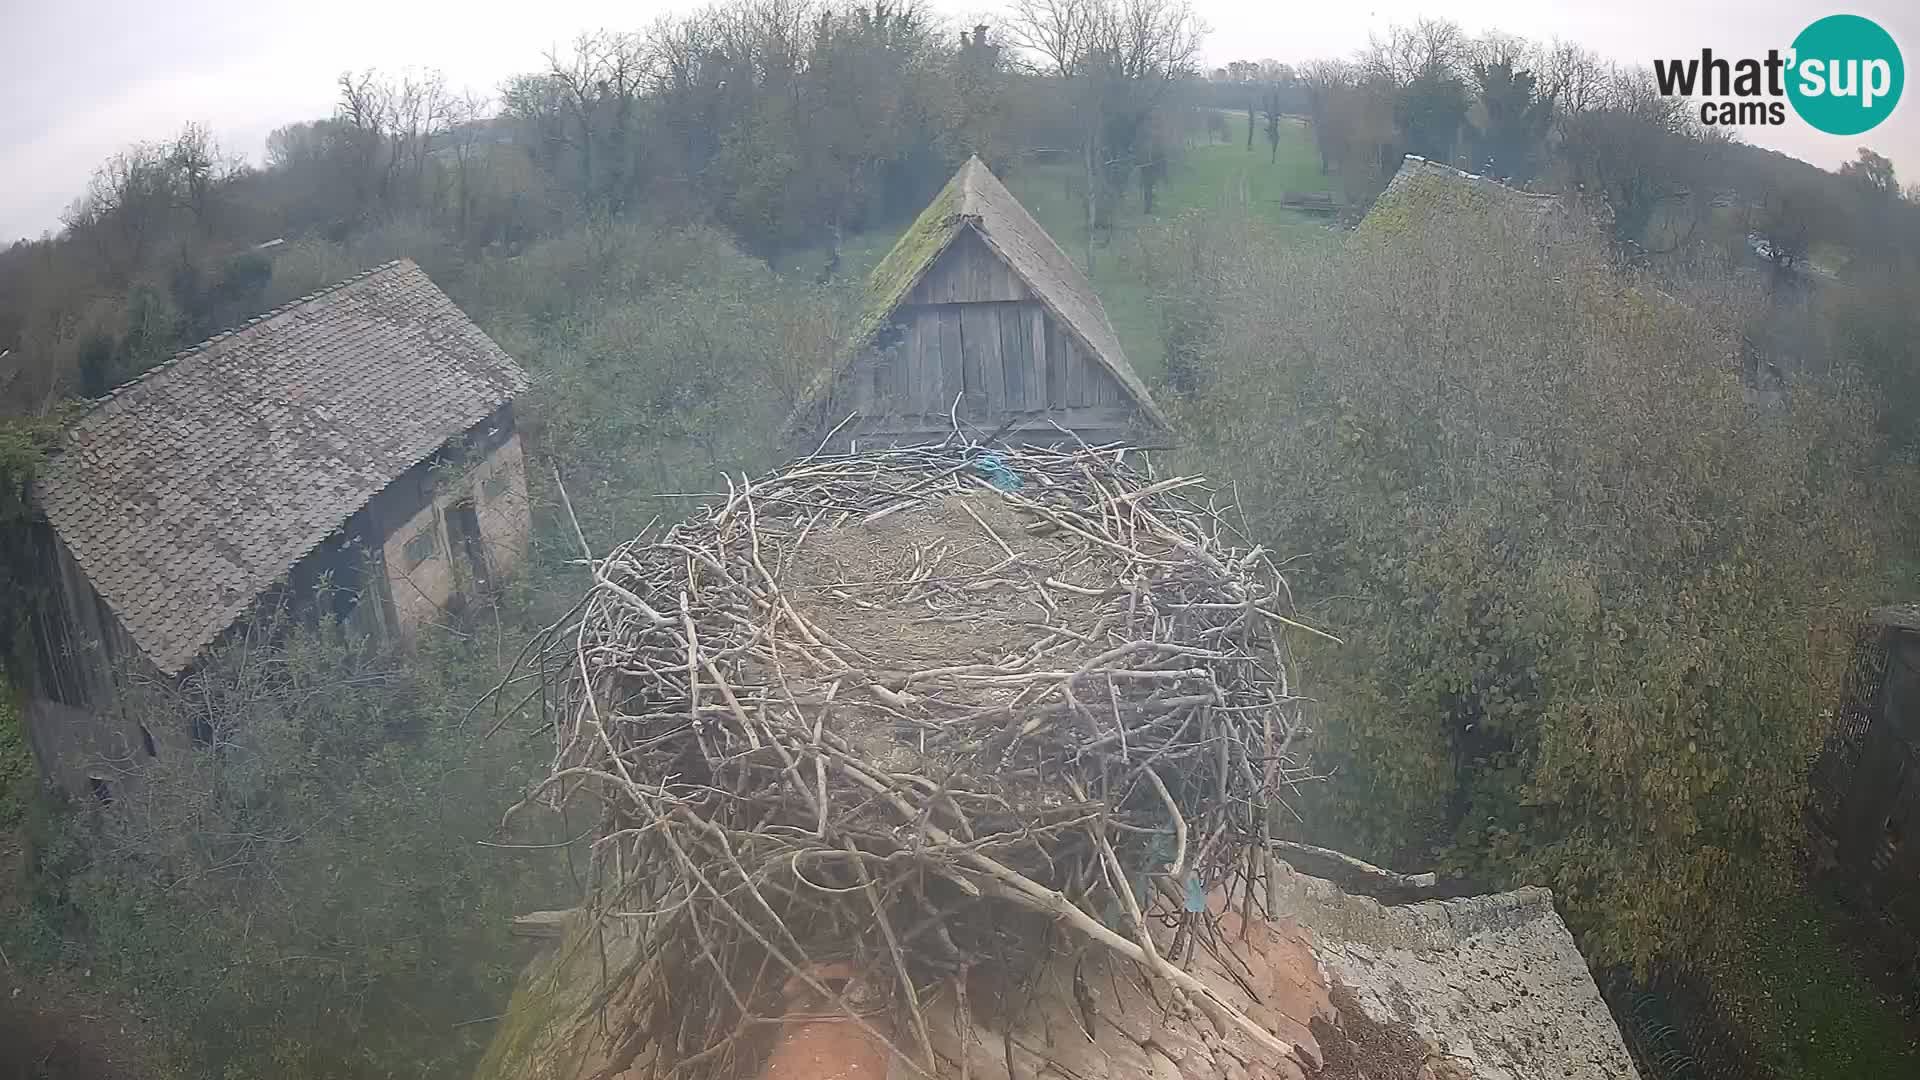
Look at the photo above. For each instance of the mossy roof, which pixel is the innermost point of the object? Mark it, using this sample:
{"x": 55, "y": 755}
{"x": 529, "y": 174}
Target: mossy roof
{"x": 1425, "y": 188}
{"x": 976, "y": 199}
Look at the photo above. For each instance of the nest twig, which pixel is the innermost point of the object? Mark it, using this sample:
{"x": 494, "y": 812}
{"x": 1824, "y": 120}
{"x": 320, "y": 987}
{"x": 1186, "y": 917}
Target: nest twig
{"x": 873, "y": 714}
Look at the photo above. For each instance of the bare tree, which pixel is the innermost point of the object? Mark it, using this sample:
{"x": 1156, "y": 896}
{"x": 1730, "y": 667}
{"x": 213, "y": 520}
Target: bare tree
{"x": 1323, "y": 79}
{"x": 1270, "y": 104}
{"x": 199, "y": 170}
{"x": 1121, "y": 57}
{"x": 1059, "y": 33}
{"x": 392, "y": 122}
{"x": 1428, "y": 48}
{"x": 600, "y": 83}
{"x": 362, "y": 109}
{"x": 1574, "y": 76}
{"x": 125, "y": 208}
{"x": 466, "y": 125}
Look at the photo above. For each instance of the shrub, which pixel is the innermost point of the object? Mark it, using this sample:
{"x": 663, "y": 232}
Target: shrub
{"x": 660, "y": 359}
{"x": 1592, "y": 601}
{"x": 305, "y": 895}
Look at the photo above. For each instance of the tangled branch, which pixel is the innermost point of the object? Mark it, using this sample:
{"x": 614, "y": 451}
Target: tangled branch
{"x": 874, "y": 721}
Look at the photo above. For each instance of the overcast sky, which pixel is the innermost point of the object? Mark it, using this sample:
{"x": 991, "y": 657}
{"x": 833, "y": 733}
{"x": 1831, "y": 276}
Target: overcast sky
{"x": 82, "y": 78}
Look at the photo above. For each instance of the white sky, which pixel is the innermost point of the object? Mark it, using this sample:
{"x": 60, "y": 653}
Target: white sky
{"x": 81, "y": 78}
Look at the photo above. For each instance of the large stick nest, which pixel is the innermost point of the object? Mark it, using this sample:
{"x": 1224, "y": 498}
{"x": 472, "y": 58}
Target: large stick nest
{"x": 871, "y": 720}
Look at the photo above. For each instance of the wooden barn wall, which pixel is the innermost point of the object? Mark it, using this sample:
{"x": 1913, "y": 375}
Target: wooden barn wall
{"x": 999, "y": 358}
{"x": 970, "y": 329}
{"x": 968, "y": 272}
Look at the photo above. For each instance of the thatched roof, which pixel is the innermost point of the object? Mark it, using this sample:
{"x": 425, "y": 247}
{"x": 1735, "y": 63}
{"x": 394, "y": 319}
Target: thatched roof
{"x": 1422, "y": 188}
{"x": 187, "y": 492}
{"x": 975, "y": 199}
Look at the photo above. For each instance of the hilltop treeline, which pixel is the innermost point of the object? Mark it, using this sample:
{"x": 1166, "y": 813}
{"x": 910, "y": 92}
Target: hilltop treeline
{"x": 789, "y": 123}
{"x": 1591, "y": 521}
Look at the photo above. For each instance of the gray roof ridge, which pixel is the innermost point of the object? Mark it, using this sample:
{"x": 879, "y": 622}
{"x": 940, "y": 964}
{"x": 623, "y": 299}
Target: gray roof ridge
{"x": 252, "y": 323}
{"x": 1482, "y": 178}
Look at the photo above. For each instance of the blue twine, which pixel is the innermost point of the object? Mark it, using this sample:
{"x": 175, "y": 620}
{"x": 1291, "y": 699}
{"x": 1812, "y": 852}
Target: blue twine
{"x": 995, "y": 470}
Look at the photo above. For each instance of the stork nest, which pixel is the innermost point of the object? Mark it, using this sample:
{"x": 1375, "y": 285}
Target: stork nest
{"x": 870, "y": 720}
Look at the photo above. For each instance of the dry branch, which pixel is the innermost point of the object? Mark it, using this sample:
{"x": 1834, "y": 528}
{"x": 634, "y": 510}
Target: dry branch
{"x": 872, "y": 713}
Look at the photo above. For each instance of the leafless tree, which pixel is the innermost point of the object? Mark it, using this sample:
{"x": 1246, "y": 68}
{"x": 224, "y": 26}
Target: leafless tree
{"x": 467, "y": 117}
{"x": 1121, "y": 57}
{"x": 1406, "y": 53}
{"x": 1323, "y": 80}
{"x": 125, "y": 208}
{"x": 392, "y": 122}
{"x": 1059, "y": 33}
{"x": 199, "y": 168}
{"x": 600, "y": 82}
{"x": 1574, "y": 76}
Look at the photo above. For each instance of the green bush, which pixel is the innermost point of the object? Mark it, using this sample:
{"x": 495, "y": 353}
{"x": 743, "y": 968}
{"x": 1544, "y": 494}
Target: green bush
{"x": 1593, "y": 602}
{"x": 661, "y": 359}
{"x": 17, "y": 773}
{"x": 307, "y": 896}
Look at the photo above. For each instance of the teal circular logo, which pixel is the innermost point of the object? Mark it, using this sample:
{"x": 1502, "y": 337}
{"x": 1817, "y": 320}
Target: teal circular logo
{"x": 1846, "y": 74}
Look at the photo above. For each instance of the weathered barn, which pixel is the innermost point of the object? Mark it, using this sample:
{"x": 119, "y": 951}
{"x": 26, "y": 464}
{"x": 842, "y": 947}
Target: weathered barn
{"x": 361, "y": 439}
{"x": 977, "y": 316}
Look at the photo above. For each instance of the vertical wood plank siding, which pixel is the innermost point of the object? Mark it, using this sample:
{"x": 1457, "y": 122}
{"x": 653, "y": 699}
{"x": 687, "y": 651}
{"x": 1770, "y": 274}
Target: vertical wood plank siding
{"x": 972, "y": 329}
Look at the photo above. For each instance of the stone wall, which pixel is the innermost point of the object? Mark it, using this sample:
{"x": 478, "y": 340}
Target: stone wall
{"x": 429, "y": 570}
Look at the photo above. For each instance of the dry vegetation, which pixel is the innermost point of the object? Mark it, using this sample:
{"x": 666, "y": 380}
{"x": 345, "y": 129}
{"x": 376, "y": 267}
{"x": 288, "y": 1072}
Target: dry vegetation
{"x": 903, "y": 710}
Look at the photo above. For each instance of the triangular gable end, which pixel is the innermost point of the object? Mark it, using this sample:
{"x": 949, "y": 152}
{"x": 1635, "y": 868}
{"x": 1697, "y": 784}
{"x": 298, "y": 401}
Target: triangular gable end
{"x": 976, "y": 315}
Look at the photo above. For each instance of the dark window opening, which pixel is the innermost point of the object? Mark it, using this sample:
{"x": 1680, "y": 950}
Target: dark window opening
{"x": 102, "y": 791}
{"x": 422, "y": 547}
{"x": 146, "y": 742}
{"x": 202, "y": 731}
{"x": 463, "y": 536}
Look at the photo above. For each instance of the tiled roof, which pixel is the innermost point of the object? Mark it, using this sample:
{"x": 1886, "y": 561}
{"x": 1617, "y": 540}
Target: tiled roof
{"x": 975, "y": 198}
{"x": 187, "y": 492}
{"x": 1489, "y": 987}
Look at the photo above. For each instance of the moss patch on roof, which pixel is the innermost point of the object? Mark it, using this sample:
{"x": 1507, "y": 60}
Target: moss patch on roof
{"x": 916, "y": 249}
{"x": 1423, "y": 190}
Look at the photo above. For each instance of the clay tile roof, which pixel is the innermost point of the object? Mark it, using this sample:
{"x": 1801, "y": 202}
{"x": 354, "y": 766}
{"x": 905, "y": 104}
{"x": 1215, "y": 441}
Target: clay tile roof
{"x": 1489, "y": 987}
{"x": 187, "y": 492}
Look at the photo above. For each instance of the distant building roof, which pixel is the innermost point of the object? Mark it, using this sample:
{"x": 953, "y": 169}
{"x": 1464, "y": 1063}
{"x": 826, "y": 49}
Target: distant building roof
{"x": 976, "y": 199}
{"x": 1422, "y": 187}
{"x": 187, "y": 492}
{"x": 1896, "y": 617}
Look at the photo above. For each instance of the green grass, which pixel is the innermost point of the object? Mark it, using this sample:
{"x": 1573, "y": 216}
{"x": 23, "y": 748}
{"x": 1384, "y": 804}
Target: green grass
{"x": 1791, "y": 984}
{"x": 1221, "y": 177}
{"x": 1227, "y": 176}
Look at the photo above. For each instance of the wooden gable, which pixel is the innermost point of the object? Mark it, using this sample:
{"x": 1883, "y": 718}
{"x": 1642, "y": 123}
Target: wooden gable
{"x": 971, "y": 329}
